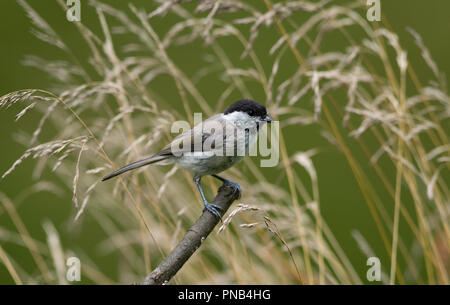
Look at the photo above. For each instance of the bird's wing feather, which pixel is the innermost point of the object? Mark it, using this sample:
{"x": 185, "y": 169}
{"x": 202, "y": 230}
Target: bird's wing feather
{"x": 211, "y": 134}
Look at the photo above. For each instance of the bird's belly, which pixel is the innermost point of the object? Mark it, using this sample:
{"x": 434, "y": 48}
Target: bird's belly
{"x": 207, "y": 165}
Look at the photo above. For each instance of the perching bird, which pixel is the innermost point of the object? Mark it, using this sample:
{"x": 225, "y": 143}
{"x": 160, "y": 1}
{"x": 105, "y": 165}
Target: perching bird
{"x": 212, "y": 146}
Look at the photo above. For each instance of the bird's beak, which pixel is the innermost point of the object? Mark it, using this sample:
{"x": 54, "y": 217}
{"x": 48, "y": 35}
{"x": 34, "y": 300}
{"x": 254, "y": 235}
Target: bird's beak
{"x": 268, "y": 119}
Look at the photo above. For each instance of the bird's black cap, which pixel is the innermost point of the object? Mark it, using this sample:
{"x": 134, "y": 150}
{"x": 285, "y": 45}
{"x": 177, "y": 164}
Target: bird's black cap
{"x": 250, "y": 107}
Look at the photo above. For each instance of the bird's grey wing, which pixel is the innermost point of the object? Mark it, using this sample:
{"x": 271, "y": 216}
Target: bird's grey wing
{"x": 209, "y": 134}
{"x": 184, "y": 143}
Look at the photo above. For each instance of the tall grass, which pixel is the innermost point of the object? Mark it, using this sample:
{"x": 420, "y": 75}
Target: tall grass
{"x": 363, "y": 92}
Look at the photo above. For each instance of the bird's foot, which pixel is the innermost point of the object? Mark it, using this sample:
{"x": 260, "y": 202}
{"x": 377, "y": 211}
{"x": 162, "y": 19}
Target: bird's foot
{"x": 235, "y": 186}
{"x": 214, "y": 209}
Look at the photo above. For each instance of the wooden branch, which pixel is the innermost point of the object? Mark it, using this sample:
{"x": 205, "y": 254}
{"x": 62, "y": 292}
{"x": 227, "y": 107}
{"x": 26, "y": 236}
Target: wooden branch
{"x": 192, "y": 239}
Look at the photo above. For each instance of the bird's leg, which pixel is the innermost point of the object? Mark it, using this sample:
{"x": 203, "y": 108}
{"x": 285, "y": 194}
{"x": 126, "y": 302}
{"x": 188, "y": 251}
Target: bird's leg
{"x": 235, "y": 186}
{"x": 213, "y": 208}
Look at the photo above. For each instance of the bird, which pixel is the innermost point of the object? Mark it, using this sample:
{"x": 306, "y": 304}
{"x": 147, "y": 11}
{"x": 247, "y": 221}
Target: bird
{"x": 212, "y": 146}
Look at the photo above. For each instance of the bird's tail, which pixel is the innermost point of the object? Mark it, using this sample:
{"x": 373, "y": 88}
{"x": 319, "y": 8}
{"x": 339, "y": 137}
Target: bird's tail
{"x": 146, "y": 161}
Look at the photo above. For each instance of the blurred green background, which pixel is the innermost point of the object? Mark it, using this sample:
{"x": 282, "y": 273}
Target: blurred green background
{"x": 341, "y": 201}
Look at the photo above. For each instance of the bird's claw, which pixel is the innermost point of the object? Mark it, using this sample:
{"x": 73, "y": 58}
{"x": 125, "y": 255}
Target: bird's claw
{"x": 235, "y": 186}
{"x": 213, "y": 208}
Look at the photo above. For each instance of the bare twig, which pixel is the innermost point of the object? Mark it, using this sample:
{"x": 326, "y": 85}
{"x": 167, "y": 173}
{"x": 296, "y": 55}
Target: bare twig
{"x": 192, "y": 239}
